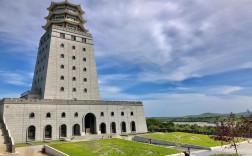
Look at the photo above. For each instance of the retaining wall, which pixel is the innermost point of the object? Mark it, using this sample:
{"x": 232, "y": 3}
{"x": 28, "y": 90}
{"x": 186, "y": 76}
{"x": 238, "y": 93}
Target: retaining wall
{"x": 167, "y": 143}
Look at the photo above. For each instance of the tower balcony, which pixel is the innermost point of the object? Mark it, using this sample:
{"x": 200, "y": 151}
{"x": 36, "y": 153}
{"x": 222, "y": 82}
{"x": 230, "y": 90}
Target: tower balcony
{"x": 60, "y": 10}
{"x": 66, "y": 19}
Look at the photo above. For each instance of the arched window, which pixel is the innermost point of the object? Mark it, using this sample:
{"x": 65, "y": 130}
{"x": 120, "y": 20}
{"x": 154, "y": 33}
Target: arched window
{"x": 84, "y": 69}
{"x": 62, "y": 56}
{"x": 31, "y": 133}
{"x": 62, "y": 66}
{"x": 113, "y": 127}
{"x": 73, "y": 68}
{"x": 73, "y": 47}
{"x": 73, "y": 57}
{"x": 133, "y": 126}
{"x": 122, "y": 113}
{"x": 62, "y": 89}
{"x": 62, "y": 45}
{"x": 48, "y": 115}
{"x": 103, "y": 128}
{"x": 131, "y": 113}
{"x": 32, "y": 115}
{"x": 75, "y": 114}
{"x": 84, "y": 59}
{"x": 74, "y": 78}
{"x": 74, "y": 89}
{"x": 123, "y": 127}
{"x": 112, "y": 114}
{"x": 85, "y": 90}
{"x": 63, "y": 115}
{"x": 83, "y": 49}
{"x": 48, "y": 131}
{"x": 61, "y": 77}
{"x": 102, "y": 114}
{"x": 85, "y": 79}
{"x": 76, "y": 130}
{"x": 63, "y": 131}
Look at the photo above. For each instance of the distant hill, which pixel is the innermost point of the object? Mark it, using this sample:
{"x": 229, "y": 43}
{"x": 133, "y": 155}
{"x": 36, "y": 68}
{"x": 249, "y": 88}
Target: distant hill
{"x": 219, "y": 114}
{"x": 205, "y": 117}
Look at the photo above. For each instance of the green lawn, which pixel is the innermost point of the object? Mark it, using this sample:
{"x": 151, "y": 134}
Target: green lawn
{"x": 186, "y": 138}
{"x": 112, "y": 147}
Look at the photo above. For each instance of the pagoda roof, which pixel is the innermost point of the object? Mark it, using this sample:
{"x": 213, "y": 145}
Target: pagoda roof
{"x": 64, "y": 11}
{"x": 53, "y": 4}
{"x": 49, "y": 22}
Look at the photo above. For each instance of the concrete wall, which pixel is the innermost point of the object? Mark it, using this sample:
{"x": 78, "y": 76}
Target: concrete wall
{"x": 17, "y": 111}
{"x": 167, "y": 143}
{"x": 49, "y": 61}
{"x": 53, "y": 151}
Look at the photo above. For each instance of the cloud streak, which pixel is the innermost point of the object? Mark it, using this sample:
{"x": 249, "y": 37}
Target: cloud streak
{"x": 146, "y": 50}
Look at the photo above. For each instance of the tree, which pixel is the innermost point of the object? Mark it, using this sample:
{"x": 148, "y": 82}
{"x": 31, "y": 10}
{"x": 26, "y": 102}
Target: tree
{"x": 227, "y": 132}
{"x": 153, "y": 124}
{"x": 230, "y": 130}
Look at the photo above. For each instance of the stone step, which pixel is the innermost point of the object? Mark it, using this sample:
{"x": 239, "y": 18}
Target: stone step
{"x": 3, "y": 148}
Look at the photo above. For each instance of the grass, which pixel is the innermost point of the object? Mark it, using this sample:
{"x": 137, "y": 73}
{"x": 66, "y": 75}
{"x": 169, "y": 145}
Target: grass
{"x": 185, "y": 138}
{"x": 112, "y": 147}
{"x": 38, "y": 143}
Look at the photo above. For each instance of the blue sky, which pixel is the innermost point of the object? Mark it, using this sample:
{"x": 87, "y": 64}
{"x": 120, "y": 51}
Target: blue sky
{"x": 178, "y": 57}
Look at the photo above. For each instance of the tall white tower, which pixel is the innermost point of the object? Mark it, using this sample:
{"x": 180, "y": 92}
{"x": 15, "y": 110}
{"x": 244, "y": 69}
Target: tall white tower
{"x": 65, "y": 66}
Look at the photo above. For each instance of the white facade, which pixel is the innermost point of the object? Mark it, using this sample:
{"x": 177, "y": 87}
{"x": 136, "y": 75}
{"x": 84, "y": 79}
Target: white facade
{"x": 64, "y": 98}
{"x": 17, "y": 114}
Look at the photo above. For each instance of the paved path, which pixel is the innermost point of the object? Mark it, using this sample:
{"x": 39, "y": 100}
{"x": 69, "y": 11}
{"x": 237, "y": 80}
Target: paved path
{"x": 27, "y": 151}
{"x": 244, "y": 149}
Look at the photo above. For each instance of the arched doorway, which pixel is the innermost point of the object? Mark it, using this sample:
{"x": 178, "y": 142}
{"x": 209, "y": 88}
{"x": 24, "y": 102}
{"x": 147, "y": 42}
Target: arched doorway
{"x": 63, "y": 131}
{"x": 76, "y": 130}
{"x": 113, "y": 127}
{"x": 31, "y": 133}
{"x": 133, "y": 126}
{"x": 90, "y": 123}
{"x": 103, "y": 128}
{"x": 48, "y": 132}
{"x": 123, "y": 127}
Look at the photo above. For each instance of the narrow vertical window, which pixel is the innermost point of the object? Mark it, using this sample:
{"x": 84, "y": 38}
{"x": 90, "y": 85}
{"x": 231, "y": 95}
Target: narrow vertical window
{"x": 83, "y": 40}
{"x": 73, "y": 38}
{"x": 62, "y": 35}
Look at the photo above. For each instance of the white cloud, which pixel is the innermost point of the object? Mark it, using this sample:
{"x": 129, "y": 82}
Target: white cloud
{"x": 15, "y": 78}
{"x": 225, "y": 90}
{"x": 175, "y": 40}
{"x": 104, "y": 79}
{"x": 187, "y": 104}
{"x": 179, "y": 40}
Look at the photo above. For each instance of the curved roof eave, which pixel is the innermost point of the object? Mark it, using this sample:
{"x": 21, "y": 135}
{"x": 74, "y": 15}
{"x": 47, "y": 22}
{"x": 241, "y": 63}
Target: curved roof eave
{"x": 65, "y": 2}
{"x": 51, "y": 13}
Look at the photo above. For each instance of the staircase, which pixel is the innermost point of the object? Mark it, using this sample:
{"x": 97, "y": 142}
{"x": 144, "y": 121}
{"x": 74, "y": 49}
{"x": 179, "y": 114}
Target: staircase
{"x": 3, "y": 144}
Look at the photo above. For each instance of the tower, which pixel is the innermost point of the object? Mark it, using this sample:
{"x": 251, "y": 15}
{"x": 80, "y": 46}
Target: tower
{"x": 65, "y": 66}
{"x": 66, "y": 70}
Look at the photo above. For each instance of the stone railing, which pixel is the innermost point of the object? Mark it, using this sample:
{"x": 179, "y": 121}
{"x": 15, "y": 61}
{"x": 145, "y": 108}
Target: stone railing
{"x": 7, "y": 136}
{"x": 66, "y": 102}
{"x": 70, "y": 30}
